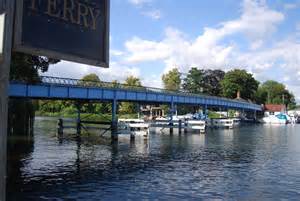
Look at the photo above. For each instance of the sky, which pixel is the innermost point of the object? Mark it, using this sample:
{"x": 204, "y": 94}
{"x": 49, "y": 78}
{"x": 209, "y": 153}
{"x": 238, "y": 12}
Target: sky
{"x": 150, "y": 37}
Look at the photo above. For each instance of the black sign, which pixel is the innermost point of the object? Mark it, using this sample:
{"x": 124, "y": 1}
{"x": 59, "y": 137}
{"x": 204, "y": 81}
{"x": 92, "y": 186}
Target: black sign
{"x": 74, "y": 30}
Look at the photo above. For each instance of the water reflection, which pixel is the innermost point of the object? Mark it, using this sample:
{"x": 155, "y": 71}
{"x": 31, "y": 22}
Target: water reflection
{"x": 251, "y": 163}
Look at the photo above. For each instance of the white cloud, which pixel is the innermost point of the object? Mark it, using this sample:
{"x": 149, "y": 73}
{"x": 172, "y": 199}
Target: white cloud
{"x": 290, "y": 6}
{"x": 257, "y": 23}
{"x": 139, "y": 2}
{"x": 116, "y": 71}
{"x": 154, "y": 14}
{"x": 116, "y": 53}
{"x": 143, "y": 5}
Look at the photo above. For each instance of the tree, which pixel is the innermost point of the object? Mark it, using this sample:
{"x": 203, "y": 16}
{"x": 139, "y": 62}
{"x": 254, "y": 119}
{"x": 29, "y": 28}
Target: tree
{"x": 272, "y": 92}
{"x": 212, "y": 82}
{"x": 90, "y": 80}
{"x": 204, "y": 81}
{"x": 193, "y": 83}
{"x": 133, "y": 81}
{"x": 172, "y": 80}
{"x": 115, "y": 84}
{"x": 239, "y": 80}
{"x": 25, "y": 68}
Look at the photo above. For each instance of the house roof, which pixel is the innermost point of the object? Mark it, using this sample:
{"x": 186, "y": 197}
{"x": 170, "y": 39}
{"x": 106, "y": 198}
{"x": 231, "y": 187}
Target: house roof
{"x": 275, "y": 108}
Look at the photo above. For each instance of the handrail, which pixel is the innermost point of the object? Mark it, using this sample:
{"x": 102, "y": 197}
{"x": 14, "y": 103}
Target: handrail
{"x": 81, "y": 83}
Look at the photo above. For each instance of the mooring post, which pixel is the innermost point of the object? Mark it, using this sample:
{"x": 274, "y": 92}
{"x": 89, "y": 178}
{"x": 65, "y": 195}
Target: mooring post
{"x": 6, "y": 33}
{"x": 205, "y": 111}
{"x": 185, "y": 126}
{"x": 114, "y": 121}
{"x": 227, "y": 110}
{"x": 60, "y": 127}
{"x": 171, "y": 117}
{"x": 139, "y": 110}
{"x": 180, "y": 126}
{"x": 132, "y": 137}
{"x": 78, "y": 121}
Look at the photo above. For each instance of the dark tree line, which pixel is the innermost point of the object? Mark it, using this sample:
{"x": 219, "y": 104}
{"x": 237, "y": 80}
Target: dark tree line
{"x": 219, "y": 83}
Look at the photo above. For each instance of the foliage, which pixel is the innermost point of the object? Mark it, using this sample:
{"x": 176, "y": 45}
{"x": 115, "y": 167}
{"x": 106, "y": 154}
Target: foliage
{"x": 91, "y": 78}
{"x": 26, "y": 67}
{"x": 21, "y": 112}
{"x": 212, "y": 82}
{"x": 204, "y": 81}
{"x": 193, "y": 82}
{"x": 171, "y": 80}
{"x": 132, "y": 82}
{"x": 272, "y": 92}
{"x": 239, "y": 80}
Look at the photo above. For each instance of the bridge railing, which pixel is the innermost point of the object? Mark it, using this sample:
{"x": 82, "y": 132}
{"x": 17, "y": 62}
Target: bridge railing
{"x": 115, "y": 85}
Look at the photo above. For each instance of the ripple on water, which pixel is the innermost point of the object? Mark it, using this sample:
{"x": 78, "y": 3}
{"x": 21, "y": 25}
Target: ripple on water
{"x": 250, "y": 163}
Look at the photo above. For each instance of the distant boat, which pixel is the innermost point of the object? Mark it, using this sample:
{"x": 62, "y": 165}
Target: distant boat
{"x": 224, "y": 123}
{"x": 134, "y": 127}
{"x": 275, "y": 119}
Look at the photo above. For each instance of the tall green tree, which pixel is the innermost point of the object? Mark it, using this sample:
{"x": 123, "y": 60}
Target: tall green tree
{"x": 193, "y": 83}
{"x": 132, "y": 81}
{"x": 25, "y": 68}
{"x": 204, "y": 81}
{"x": 272, "y": 92}
{"x": 212, "y": 82}
{"x": 171, "y": 80}
{"x": 91, "y": 78}
{"x": 239, "y": 80}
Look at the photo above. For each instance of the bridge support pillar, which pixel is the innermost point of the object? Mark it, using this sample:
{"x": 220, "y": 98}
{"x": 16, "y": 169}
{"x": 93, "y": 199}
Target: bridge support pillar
{"x": 205, "y": 110}
{"x": 180, "y": 126}
{"x": 114, "y": 121}
{"x": 172, "y": 112}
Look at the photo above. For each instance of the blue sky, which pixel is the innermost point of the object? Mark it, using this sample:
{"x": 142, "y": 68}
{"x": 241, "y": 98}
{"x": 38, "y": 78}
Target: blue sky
{"x": 150, "y": 37}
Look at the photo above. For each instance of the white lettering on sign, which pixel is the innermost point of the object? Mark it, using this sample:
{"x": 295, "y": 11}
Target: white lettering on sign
{"x": 71, "y": 11}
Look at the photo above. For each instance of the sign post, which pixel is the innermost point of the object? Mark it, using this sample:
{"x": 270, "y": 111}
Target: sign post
{"x": 7, "y": 10}
{"x": 73, "y": 30}
{"x": 2, "y": 23}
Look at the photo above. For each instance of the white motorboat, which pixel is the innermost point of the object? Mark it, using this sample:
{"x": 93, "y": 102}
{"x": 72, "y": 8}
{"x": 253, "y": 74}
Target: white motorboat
{"x": 224, "y": 123}
{"x": 134, "y": 127}
{"x": 196, "y": 125}
{"x": 275, "y": 119}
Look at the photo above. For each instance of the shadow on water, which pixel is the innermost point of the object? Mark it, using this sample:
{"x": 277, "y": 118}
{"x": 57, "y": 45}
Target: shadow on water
{"x": 245, "y": 163}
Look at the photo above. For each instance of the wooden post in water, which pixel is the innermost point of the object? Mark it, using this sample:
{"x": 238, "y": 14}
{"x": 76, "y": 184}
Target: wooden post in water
{"x": 185, "y": 127}
{"x": 114, "y": 121}
{"x": 78, "y": 121}
{"x": 6, "y": 33}
{"x": 171, "y": 124}
{"x": 60, "y": 127}
{"x": 180, "y": 126}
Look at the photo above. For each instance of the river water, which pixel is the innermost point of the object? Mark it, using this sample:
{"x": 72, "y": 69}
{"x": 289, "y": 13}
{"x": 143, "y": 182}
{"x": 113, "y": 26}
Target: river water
{"x": 254, "y": 162}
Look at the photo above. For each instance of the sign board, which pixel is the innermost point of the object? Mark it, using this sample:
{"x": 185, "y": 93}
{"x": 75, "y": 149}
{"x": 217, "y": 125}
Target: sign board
{"x": 2, "y": 25}
{"x": 73, "y": 30}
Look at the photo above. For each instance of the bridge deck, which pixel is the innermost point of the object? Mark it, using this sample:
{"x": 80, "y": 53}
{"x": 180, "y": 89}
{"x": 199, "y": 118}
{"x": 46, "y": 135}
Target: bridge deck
{"x": 71, "y": 89}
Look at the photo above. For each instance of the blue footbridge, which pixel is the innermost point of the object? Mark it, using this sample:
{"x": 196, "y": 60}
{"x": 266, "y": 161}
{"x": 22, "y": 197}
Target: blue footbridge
{"x": 54, "y": 88}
